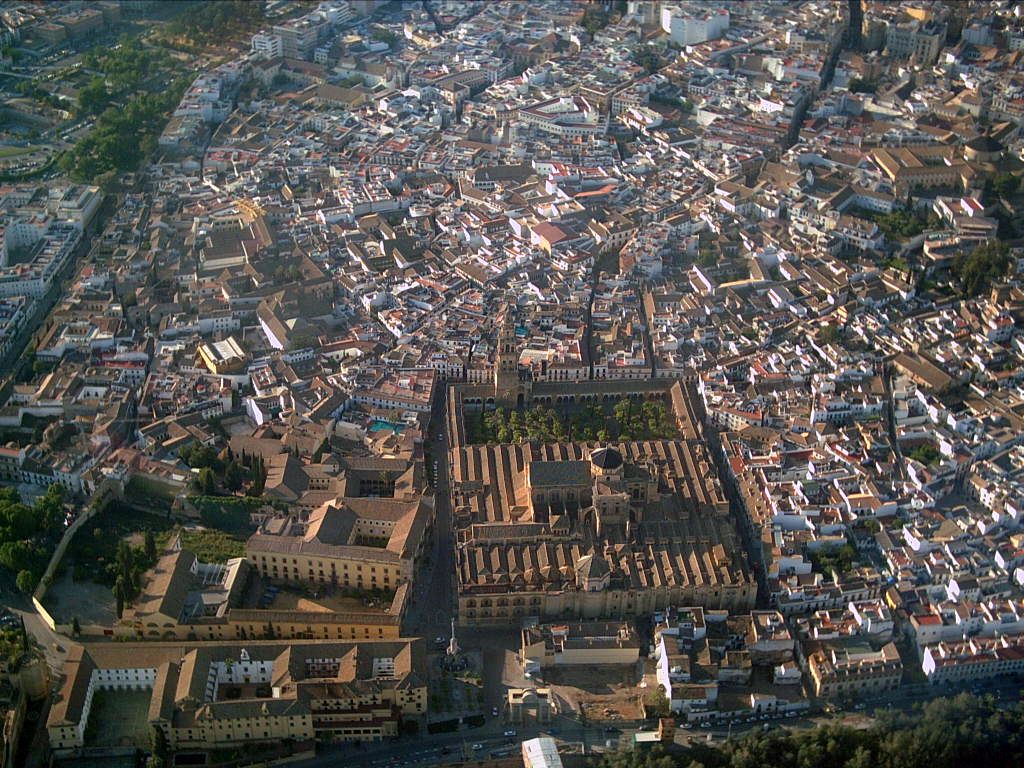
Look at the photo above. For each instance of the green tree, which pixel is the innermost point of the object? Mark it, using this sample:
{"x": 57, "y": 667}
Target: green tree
{"x": 657, "y": 704}
{"x": 838, "y": 558}
{"x": 595, "y": 18}
{"x": 149, "y": 546}
{"x": 26, "y": 582}
{"x": 93, "y": 98}
{"x": 206, "y": 481}
{"x": 107, "y": 182}
{"x": 233, "y": 476}
{"x": 707, "y": 258}
{"x": 123, "y": 560}
{"x": 384, "y": 36}
{"x": 623, "y": 412}
{"x": 158, "y": 745}
{"x": 259, "y": 477}
{"x": 201, "y": 24}
{"x": 119, "y": 595}
{"x": 986, "y": 264}
{"x": 925, "y": 453}
{"x": 18, "y": 521}
{"x": 900, "y": 225}
{"x": 49, "y": 508}
{"x": 830, "y": 334}
{"x": 1005, "y": 184}
{"x": 121, "y": 137}
{"x": 859, "y": 85}
{"x": 19, "y": 555}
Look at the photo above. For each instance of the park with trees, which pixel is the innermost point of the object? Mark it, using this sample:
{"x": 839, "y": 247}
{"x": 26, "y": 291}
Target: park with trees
{"x": 202, "y": 24}
{"x": 977, "y": 270}
{"x": 952, "y": 732}
{"x": 29, "y": 534}
{"x": 122, "y": 137}
{"x": 628, "y": 419}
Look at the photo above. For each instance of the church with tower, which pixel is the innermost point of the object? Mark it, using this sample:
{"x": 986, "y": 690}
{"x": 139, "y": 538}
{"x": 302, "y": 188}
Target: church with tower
{"x": 586, "y": 530}
{"x": 511, "y": 388}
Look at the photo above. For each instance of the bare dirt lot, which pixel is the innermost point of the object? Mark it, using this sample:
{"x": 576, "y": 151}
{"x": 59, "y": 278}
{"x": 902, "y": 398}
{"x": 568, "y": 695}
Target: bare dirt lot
{"x": 289, "y": 601}
{"x": 601, "y": 694}
{"x": 90, "y": 603}
{"x": 291, "y": 598}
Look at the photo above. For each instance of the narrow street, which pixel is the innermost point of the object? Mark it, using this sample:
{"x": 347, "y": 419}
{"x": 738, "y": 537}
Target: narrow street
{"x": 890, "y": 421}
{"x": 433, "y": 602}
{"x": 648, "y": 337}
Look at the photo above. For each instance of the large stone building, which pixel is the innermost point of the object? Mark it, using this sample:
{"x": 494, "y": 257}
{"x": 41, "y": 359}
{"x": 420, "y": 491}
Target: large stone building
{"x": 852, "y": 668}
{"x": 184, "y": 599}
{"x": 586, "y": 530}
{"x": 368, "y": 533}
{"x": 224, "y": 694}
{"x": 913, "y": 38}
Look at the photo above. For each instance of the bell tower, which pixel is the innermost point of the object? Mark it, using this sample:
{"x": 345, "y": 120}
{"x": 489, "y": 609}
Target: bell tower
{"x": 507, "y": 385}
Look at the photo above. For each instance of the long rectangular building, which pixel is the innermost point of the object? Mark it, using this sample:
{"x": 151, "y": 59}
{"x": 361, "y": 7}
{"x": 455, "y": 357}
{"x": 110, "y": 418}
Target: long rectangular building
{"x": 226, "y": 694}
{"x": 183, "y": 599}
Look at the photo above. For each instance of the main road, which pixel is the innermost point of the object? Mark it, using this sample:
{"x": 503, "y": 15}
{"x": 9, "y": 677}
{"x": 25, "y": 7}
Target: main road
{"x": 443, "y": 748}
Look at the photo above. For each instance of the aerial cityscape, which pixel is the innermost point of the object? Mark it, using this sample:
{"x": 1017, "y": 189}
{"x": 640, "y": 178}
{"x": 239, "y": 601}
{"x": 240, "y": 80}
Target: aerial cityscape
{"x": 576, "y": 383}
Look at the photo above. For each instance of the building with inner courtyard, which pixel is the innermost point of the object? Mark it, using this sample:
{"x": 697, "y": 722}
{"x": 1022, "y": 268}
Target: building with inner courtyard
{"x": 587, "y": 530}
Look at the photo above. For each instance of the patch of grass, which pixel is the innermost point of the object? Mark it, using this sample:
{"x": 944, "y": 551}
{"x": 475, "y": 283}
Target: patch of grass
{"x": 149, "y": 492}
{"x": 926, "y": 454}
{"x": 841, "y": 558}
{"x": 209, "y": 546}
{"x": 900, "y": 225}
{"x": 227, "y": 513}
{"x": 15, "y": 151}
